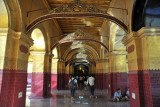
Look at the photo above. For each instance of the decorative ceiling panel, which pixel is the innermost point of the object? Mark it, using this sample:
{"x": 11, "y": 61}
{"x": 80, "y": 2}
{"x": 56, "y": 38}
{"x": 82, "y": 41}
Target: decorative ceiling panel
{"x": 89, "y": 25}
{"x": 101, "y": 4}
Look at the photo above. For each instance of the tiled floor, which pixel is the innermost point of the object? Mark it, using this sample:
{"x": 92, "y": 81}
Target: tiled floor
{"x": 62, "y": 99}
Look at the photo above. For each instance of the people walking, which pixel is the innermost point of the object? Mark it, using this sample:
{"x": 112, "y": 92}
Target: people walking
{"x": 90, "y": 83}
{"x": 73, "y": 86}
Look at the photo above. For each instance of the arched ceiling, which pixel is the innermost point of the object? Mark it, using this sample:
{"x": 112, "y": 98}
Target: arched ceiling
{"x": 77, "y": 51}
{"x": 115, "y": 39}
{"x": 79, "y": 35}
{"x": 80, "y": 60}
{"x": 96, "y": 26}
{"x": 84, "y": 13}
{"x": 81, "y": 47}
{"x": 80, "y": 53}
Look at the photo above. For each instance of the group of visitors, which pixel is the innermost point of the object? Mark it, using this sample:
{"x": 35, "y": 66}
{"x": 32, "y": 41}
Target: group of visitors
{"x": 118, "y": 96}
{"x": 73, "y": 85}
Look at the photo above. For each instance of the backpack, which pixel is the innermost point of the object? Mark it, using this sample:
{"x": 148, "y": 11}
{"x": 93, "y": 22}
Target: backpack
{"x": 72, "y": 84}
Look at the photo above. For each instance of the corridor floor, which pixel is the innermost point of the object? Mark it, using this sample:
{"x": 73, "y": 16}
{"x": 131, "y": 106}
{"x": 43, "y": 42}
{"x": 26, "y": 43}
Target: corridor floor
{"x": 62, "y": 99}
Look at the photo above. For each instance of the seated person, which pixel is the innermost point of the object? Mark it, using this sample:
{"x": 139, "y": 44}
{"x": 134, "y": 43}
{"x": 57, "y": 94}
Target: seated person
{"x": 127, "y": 95}
{"x": 117, "y": 95}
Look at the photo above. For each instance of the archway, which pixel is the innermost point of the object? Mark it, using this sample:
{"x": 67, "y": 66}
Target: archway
{"x": 36, "y": 64}
{"x": 148, "y": 12}
{"x": 81, "y": 47}
{"x": 76, "y": 9}
{"x": 78, "y": 35}
{"x": 3, "y": 37}
{"x": 79, "y": 64}
{"x": 14, "y": 45}
{"x": 118, "y": 60}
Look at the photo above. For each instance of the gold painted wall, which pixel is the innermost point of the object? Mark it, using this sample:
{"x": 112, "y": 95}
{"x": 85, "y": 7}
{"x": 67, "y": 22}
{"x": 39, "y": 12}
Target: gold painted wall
{"x": 121, "y": 14}
{"x": 154, "y": 51}
{"x": 3, "y": 14}
{"x": 120, "y": 63}
{"x": 38, "y": 61}
{"x": 145, "y": 54}
{"x": 54, "y": 66}
{"x": 117, "y": 62}
{"x": 132, "y": 62}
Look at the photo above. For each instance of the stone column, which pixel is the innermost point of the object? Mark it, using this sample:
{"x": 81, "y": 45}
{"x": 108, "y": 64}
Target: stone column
{"x": 67, "y": 68}
{"x": 110, "y": 70}
{"x": 96, "y": 75}
{"x": 105, "y": 74}
{"x": 47, "y": 75}
{"x": 143, "y": 62}
{"x": 99, "y": 75}
{"x": 54, "y": 74}
{"x": 70, "y": 69}
{"x": 37, "y": 74}
{"x": 14, "y": 68}
{"x": 3, "y": 43}
{"x": 61, "y": 75}
{"x": 118, "y": 72}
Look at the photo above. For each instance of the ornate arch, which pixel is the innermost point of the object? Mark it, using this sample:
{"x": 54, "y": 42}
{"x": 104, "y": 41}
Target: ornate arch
{"x": 78, "y": 36}
{"x": 85, "y": 47}
{"x": 14, "y": 15}
{"x": 76, "y": 9}
{"x": 76, "y": 51}
{"x": 75, "y": 59}
{"x": 46, "y": 37}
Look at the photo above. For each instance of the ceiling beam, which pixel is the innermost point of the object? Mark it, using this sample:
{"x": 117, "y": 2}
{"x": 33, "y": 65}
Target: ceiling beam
{"x": 45, "y": 2}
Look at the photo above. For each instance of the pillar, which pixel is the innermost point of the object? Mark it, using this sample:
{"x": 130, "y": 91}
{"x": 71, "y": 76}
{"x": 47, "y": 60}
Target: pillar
{"x": 37, "y": 74}
{"x": 29, "y": 72}
{"x": 143, "y": 64}
{"x": 118, "y": 76}
{"x": 71, "y": 70}
{"x": 105, "y": 74}
{"x": 96, "y": 75}
{"x": 47, "y": 75}
{"x": 61, "y": 75}
{"x": 14, "y": 68}
{"x": 99, "y": 75}
{"x": 3, "y": 40}
{"x": 54, "y": 74}
{"x": 67, "y": 72}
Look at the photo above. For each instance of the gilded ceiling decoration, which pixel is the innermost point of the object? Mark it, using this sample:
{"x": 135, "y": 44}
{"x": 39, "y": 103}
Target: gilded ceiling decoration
{"x": 79, "y": 35}
{"x": 77, "y": 9}
{"x": 77, "y": 6}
